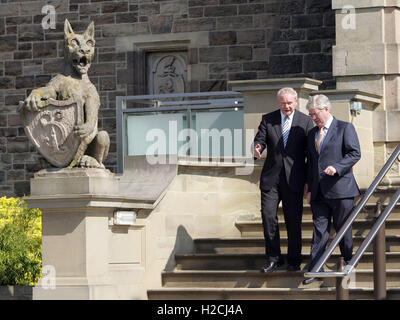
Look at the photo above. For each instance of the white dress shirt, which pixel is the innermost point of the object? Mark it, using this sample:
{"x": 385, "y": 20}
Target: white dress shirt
{"x": 290, "y": 118}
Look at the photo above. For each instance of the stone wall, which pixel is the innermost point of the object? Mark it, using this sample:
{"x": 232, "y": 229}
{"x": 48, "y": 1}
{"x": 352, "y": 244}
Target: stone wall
{"x": 239, "y": 40}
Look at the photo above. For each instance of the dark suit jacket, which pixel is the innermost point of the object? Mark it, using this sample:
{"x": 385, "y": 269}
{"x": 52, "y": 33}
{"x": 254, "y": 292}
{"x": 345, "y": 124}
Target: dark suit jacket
{"x": 341, "y": 150}
{"x": 292, "y": 158}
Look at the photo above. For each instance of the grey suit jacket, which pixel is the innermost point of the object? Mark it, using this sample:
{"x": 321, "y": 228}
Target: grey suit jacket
{"x": 292, "y": 158}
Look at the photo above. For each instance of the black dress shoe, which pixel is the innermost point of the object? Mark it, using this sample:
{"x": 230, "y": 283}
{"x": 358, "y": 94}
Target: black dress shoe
{"x": 311, "y": 280}
{"x": 272, "y": 266}
{"x": 293, "y": 267}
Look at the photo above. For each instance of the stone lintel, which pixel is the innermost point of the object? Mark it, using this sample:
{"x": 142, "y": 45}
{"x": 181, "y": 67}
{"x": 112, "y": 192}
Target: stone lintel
{"x": 163, "y": 45}
{"x": 270, "y": 85}
{"x": 146, "y": 41}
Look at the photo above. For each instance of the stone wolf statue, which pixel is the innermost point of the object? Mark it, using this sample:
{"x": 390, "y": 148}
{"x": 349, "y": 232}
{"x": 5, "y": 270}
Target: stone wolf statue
{"x": 73, "y": 85}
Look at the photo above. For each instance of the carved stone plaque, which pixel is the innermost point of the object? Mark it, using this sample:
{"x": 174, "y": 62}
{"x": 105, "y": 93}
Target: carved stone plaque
{"x": 51, "y": 130}
{"x": 167, "y": 72}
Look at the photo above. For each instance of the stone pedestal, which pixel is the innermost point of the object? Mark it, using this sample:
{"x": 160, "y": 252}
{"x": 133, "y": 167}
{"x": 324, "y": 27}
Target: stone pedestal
{"x": 84, "y": 254}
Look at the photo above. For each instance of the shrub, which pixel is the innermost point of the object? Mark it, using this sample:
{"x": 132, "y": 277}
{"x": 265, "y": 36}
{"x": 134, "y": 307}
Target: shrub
{"x": 20, "y": 243}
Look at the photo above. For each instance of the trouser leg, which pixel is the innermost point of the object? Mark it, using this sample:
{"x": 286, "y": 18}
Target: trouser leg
{"x": 269, "y": 205}
{"x": 292, "y": 204}
{"x": 321, "y": 230}
{"x": 341, "y": 209}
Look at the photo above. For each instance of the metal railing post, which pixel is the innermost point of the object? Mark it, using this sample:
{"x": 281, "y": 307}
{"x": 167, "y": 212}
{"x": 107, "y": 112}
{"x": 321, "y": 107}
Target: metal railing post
{"x": 380, "y": 259}
{"x": 342, "y": 292}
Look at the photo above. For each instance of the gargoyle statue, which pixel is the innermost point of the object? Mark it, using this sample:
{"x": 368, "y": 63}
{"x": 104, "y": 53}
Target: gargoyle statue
{"x": 73, "y": 85}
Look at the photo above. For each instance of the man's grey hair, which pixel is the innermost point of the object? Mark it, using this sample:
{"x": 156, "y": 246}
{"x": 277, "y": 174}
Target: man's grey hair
{"x": 285, "y": 91}
{"x": 319, "y": 101}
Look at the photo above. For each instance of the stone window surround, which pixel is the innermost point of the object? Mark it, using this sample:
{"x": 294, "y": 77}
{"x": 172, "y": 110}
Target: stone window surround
{"x": 139, "y": 45}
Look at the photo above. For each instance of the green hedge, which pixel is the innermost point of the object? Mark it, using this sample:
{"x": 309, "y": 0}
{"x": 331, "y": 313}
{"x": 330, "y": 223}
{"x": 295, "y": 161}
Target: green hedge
{"x": 20, "y": 243}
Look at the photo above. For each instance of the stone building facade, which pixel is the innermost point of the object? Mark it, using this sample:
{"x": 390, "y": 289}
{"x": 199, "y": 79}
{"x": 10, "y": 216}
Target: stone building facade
{"x": 202, "y": 43}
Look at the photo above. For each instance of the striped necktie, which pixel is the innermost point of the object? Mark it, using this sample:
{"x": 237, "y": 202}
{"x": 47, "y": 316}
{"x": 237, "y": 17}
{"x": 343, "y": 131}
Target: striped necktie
{"x": 318, "y": 142}
{"x": 285, "y": 130}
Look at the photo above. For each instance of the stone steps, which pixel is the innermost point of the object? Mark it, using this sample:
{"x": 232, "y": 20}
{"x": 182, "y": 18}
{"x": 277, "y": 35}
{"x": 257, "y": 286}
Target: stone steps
{"x": 229, "y": 268}
{"x": 210, "y": 261}
{"x": 328, "y": 293}
{"x": 361, "y": 227}
{"x": 257, "y": 245}
{"x": 368, "y": 212}
{"x": 257, "y": 279}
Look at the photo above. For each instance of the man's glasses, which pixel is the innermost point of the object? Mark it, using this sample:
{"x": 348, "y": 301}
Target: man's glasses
{"x": 315, "y": 114}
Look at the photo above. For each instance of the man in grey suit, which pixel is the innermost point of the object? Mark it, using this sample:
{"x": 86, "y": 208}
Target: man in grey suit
{"x": 333, "y": 149}
{"x": 283, "y": 133}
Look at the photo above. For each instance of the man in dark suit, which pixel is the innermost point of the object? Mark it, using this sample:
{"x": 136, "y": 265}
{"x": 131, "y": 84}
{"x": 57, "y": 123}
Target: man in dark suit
{"x": 333, "y": 149}
{"x": 284, "y": 134}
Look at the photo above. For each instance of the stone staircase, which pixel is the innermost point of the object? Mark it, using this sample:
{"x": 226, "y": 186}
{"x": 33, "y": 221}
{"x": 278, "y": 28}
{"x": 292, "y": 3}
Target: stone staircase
{"x": 228, "y": 268}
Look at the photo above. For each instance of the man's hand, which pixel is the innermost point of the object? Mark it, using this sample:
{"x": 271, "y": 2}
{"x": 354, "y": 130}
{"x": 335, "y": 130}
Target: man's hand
{"x": 330, "y": 171}
{"x": 257, "y": 152}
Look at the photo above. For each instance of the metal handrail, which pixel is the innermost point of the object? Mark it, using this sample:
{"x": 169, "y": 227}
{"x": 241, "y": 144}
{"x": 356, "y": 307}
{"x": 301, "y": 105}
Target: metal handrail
{"x": 183, "y": 95}
{"x": 371, "y": 235}
{"x": 182, "y": 108}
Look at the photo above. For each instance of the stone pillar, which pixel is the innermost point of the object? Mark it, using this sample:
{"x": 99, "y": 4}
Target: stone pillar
{"x": 342, "y": 100}
{"x": 366, "y": 57}
{"x": 87, "y": 256}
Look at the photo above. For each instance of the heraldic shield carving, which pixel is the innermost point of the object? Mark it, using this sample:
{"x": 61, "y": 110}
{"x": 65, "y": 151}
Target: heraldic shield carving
{"x": 51, "y": 130}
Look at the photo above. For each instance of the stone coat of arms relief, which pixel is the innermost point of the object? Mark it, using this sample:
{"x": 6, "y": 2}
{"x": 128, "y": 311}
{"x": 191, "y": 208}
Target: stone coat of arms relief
{"x": 61, "y": 118}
